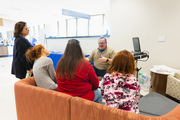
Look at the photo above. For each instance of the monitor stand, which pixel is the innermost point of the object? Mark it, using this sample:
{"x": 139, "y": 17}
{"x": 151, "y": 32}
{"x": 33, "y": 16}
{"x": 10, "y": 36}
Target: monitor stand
{"x": 137, "y": 69}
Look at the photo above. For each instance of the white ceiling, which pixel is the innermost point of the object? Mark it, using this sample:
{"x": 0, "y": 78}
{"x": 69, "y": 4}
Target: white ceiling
{"x": 45, "y": 10}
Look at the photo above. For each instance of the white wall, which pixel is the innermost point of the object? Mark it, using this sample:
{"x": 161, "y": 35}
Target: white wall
{"x": 147, "y": 19}
{"x": 87, "y": 44}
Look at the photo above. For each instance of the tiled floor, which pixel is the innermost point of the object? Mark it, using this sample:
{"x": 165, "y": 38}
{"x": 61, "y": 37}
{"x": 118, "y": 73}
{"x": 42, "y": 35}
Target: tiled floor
{"x": 7, "y": 99}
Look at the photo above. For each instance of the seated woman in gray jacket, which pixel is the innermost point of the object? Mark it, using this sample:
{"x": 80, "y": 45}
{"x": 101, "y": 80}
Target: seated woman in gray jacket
{"x": 43, "y": 69}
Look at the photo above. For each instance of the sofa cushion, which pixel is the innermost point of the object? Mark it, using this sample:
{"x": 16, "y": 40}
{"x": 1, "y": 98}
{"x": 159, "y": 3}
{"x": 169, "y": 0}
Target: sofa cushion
{"x": 155, "y": 104}
{"x": 177, "y": 75}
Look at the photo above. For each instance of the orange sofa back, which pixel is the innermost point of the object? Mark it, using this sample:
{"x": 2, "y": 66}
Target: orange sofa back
{"x": 82, "y": 109}
{"x": 34, "y": 103}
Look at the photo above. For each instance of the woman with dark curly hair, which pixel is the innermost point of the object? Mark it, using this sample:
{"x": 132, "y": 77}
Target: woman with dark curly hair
{"x": 20, "y": 65}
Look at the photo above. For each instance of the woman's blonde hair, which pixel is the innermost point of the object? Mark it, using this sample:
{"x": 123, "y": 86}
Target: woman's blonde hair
{"x": 123, "y": 62}
{"x": 34, "y": 52}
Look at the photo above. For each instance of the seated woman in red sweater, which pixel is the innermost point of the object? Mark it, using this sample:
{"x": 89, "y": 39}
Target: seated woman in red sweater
{"x": 75, "y": 75}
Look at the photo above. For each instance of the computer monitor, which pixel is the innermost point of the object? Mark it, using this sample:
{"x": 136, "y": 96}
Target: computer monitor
{"x": 136, "y": 44}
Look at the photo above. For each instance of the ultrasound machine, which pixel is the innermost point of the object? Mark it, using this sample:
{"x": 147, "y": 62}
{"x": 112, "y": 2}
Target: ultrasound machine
{"x": 138, "y": 55}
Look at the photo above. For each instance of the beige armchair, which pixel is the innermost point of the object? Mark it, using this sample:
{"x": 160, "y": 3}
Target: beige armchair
{"x": 173, "y": 85}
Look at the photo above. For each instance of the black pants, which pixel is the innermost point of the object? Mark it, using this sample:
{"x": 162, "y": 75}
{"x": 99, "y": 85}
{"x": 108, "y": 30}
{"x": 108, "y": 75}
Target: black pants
{"x": 99, "y": 72}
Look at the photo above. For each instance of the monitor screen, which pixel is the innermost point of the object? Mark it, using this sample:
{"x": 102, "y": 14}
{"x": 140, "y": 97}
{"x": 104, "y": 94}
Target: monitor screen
{"x": 136, "y": 45}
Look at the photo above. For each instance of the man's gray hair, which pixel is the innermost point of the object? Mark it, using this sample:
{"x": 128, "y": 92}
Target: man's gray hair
{"x": 103, "y": 38}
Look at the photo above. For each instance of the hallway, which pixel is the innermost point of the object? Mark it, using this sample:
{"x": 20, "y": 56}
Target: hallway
{"x": 7, "y": 100}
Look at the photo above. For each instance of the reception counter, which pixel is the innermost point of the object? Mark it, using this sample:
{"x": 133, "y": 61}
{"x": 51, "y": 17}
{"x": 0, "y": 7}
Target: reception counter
{"x": 3, "y": 50}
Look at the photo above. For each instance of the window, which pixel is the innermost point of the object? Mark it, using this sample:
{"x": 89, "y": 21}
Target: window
{"x": 71, "y": 27}
{"x": 97, "y": 25}
{"x": 62, "y": 28}
{"x": 8, "y": 34}
{"x": 0, "y": 35}
{"x": 82, "y": 27}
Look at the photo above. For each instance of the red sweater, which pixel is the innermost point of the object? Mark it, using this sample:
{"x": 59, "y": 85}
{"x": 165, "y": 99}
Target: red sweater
{"x": 83, "y": 84}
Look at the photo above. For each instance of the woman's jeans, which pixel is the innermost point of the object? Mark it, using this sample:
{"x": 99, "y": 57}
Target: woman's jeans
{"x": 98, "y": 97}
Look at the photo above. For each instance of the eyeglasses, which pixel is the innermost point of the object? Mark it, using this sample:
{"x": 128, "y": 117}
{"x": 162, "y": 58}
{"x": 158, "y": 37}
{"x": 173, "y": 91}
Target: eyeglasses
{"x": 102, "y": 43}
{"x": 27, "y": 28}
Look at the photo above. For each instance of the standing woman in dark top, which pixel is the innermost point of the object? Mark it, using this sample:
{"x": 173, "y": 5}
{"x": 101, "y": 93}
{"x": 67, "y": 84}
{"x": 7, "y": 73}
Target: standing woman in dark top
{"x": 21, "y": 45}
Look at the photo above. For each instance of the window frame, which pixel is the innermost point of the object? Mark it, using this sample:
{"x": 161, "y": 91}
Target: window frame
{"x": 89, "y": 21}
